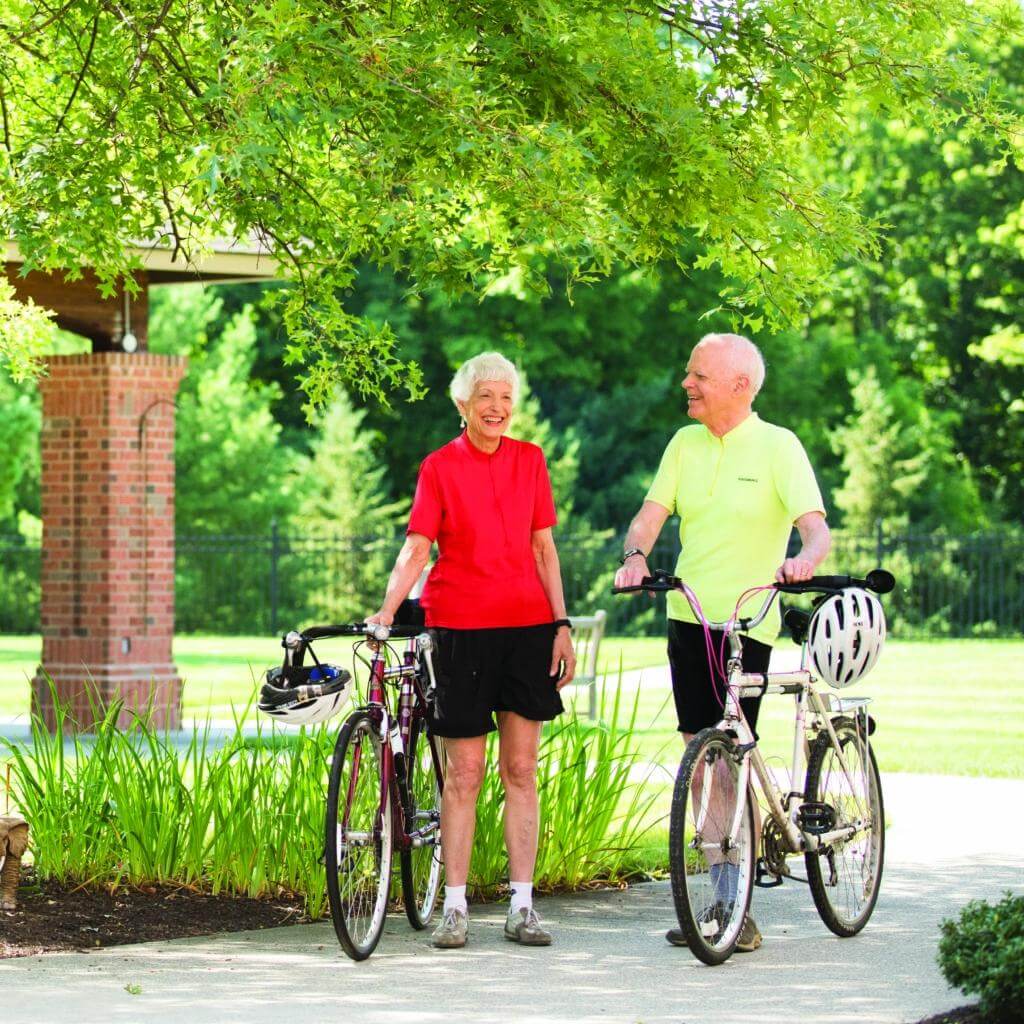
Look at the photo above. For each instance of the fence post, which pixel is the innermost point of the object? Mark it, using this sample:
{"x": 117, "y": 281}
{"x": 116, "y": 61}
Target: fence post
{"x": 275, "y": 551}
{"x": 879, "y": 542}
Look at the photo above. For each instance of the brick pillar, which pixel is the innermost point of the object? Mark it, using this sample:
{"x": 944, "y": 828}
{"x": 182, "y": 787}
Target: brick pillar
{"x": 108, "y": 535}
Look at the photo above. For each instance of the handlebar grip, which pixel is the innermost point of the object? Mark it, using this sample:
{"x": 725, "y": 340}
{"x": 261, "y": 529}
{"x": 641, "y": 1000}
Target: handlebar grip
{"x": 817, "y": 583}
{"x": 659, "y": 582}
{"x": 878, "y": 580}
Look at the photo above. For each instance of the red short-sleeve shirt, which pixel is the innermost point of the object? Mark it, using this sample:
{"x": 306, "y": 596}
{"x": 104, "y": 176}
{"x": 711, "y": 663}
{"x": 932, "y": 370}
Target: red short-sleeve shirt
{"x": 483, "y": 510}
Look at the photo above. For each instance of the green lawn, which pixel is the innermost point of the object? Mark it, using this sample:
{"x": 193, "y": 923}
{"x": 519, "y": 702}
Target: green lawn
{"x": 942, "y": 706}
{"x": 948, "y": 707}
{"x": 224, "y": 670}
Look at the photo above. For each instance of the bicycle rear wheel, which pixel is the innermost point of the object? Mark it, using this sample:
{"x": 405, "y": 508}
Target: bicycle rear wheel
{"x": 358, "y": 837}
{"x": 711, "y": 860}
{"x": 845, "y": 876}
{"x": 421, "y": 865}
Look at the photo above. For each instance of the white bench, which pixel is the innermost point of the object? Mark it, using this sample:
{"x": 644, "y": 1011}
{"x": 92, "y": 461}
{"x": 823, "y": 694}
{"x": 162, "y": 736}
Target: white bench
{"x": 587, "y": 631}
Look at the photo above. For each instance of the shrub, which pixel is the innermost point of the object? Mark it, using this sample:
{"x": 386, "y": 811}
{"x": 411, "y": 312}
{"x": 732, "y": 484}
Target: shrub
{"x": 982, "y": 954}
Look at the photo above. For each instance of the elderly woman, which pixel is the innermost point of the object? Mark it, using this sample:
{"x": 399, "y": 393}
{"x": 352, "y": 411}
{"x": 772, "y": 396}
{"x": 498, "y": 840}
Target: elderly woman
{"x": 495, "y": 605}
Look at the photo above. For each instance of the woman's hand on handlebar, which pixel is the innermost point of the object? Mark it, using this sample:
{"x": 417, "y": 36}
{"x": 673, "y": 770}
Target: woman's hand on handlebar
{"x": 632, "y": 572}
{"x": 381, "y": 618}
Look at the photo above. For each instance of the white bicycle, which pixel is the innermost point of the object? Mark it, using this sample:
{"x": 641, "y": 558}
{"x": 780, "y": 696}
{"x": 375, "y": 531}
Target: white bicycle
{"x": 836, "y": 822}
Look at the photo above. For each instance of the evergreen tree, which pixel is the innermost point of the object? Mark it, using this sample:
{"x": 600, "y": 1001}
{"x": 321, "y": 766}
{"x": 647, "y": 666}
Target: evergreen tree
{"x": 901, "y": 466}
{"x": 560, "y": 450}
{"x": 345, "y": 522}
{"x": 232, "y": 474}
{"x": 341, "y": 487}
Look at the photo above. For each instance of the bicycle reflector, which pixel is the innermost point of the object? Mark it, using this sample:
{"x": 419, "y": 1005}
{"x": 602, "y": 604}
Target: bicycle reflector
{"x": 296, "y": 695}
{"x": 845, "y": 636}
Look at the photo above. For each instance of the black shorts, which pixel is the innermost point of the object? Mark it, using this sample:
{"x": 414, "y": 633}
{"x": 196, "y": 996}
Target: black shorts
{"x": 480, "y": 671}
{"x": 698, "y": 701}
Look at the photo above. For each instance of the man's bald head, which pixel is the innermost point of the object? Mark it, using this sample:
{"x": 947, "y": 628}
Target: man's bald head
{"x": 740, "y": 355}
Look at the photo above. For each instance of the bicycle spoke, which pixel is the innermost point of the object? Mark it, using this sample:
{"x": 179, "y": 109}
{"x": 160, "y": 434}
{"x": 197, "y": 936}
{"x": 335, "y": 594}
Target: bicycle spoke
{"x": 711, "y": 856}
{"x": 421, "y": 865}
{"x": 359, "y": 838}
{"x": 845, "y": 877}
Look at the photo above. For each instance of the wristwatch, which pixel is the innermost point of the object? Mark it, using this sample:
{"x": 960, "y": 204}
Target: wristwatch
{"x": 630, "y": 553}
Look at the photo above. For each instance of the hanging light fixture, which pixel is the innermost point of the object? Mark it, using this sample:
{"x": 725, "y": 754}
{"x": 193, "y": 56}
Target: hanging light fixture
{"x": 128, "y": 340}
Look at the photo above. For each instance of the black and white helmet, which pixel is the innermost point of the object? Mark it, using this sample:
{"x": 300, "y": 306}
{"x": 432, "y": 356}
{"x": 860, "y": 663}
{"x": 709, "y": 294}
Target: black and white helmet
{"x": 297, "y": 695}
{"x": 845, "y": 636}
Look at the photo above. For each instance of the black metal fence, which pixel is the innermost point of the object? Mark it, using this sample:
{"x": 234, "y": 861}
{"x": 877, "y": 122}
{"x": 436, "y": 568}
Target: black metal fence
{"x": 257, "y": 584}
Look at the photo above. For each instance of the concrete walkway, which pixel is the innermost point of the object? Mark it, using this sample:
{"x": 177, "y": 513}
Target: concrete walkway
{"x": 950, "y": 840}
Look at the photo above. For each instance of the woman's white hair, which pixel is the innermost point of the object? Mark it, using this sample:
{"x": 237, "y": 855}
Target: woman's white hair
{"x": 486, "y": 366}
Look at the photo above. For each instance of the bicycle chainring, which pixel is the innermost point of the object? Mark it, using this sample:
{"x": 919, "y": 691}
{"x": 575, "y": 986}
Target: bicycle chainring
{"x": 773, "y": 848}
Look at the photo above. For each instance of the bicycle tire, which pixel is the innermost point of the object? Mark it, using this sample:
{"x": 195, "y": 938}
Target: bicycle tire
{"x": 358, "y": 837}
{"x": 846, "y": 897}
{"x": 711, "y": 887}
{"x": 421, "y": 865}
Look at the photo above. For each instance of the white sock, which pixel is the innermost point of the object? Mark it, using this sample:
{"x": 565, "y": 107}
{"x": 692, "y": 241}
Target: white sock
{"x": 522, "y": 895}
{"x": 455, "y": 898}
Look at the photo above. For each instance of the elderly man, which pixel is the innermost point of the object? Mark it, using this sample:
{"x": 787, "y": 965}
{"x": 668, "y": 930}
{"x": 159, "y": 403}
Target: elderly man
{"x": 738, "y": 485}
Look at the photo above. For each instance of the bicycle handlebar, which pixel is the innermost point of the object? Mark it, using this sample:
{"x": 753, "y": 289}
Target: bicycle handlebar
{"x": 878, "y": 580}
{"x": 373, "y": 631}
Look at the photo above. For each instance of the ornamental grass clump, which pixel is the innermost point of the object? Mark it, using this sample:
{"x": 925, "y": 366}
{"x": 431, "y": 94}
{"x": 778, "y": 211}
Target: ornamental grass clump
{"x": 136, "y": 806}
{"x": 982, "y": 953}
{"x": 244, "y": 815}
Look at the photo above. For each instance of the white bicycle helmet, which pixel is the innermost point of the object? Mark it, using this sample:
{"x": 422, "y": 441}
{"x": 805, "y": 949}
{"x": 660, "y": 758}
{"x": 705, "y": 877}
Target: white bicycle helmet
{"x": 296, "y": 695}
{"x": 845, "y": 636}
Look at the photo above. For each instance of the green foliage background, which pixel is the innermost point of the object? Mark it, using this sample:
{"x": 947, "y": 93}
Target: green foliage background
{"x": 616, "y": 220}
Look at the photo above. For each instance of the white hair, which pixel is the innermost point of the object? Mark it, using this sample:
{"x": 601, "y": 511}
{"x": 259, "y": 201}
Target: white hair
{"x": 744, "y": 357}
{"x": 486, "y": 366}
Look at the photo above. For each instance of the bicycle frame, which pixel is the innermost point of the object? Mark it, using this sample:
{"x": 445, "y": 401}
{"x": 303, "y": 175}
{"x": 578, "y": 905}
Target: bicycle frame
{"x": 800, "y": 684}
{"x": 395, "y": 735}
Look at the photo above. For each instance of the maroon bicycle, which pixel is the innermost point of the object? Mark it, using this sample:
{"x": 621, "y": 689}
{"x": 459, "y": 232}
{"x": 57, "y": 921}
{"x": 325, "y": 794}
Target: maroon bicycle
{"x": 386, "y": 779}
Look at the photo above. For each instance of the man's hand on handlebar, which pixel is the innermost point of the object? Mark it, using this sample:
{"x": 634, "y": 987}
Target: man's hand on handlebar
{"x": 794, "y": 570}
{"x": 633, "y": 571}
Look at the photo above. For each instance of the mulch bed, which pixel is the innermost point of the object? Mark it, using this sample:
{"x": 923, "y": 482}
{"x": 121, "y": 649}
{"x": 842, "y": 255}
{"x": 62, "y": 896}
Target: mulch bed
{"x": 51, "y": 917}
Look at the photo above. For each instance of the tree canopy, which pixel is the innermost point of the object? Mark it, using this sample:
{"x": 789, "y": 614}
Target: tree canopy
{"x": 467, "y": 146}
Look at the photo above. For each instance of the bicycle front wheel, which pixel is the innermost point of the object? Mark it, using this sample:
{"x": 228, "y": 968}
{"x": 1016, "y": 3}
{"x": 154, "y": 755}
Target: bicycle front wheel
{"x": 711, "y": 847}
{"x": 421, "y": 865}
{"x": 845, "y": 875}
{"x": 359, "y": 837}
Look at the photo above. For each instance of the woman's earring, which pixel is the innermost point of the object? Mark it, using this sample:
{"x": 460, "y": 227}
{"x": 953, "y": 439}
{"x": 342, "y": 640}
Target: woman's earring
{"x": 462, "y": 423}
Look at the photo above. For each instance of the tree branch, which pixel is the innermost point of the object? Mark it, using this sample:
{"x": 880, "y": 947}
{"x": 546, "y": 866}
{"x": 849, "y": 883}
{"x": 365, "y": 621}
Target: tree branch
{"x": 81, "y": 74}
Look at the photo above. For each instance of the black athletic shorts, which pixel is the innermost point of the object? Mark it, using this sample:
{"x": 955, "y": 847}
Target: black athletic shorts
{"x": 698, "y": 701}
{"x": 480, "y": 671}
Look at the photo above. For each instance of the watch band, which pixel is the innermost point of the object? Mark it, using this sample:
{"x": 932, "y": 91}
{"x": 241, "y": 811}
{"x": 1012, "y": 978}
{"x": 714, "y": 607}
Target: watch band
{"x": 630, "y": 553}
{"x": 558, "y": 623}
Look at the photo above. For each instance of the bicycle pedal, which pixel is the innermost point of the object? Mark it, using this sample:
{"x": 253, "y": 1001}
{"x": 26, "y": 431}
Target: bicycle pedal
{"x": 761, "y": 872}
{"x": 815, "y": 818}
